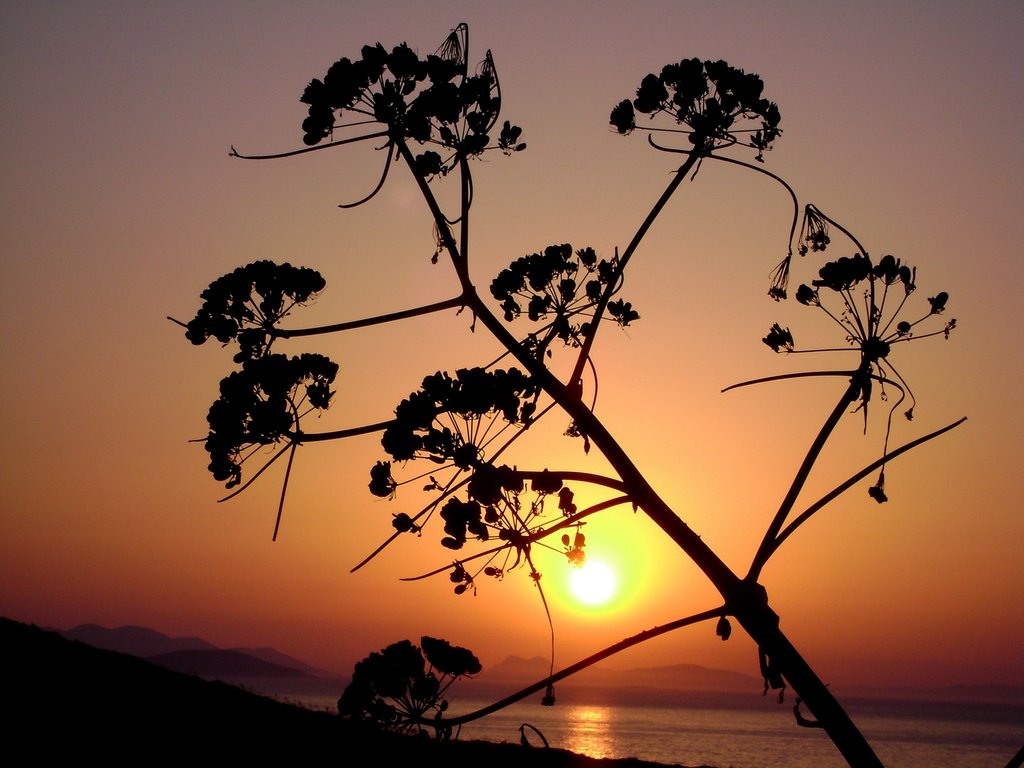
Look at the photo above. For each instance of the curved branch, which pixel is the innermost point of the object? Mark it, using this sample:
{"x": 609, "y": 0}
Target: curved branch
{"x": 379, "y": 134}
{"x": 780, "y": 180}
{"x": 805, "y": 374}
{"x": 853, "y": 480}
{"x": 380, "y": 183}
{"x": 780, "y": 377}
{"x": 522, "y": 735}
{"x": 758, "y": 168}
{"x": 593, "y": 372}
{"x": 340, "y": 434}
{"x": 535, "y": 575}
{"x": 849, "y": 396}
{"x": 842, "y": 229}
{"x": 426, "y": 309}
{"x": 611, "y": 650}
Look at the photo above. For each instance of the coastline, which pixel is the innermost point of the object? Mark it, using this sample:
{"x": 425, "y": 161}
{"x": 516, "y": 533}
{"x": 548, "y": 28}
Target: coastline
{"x": 71, "y": 700}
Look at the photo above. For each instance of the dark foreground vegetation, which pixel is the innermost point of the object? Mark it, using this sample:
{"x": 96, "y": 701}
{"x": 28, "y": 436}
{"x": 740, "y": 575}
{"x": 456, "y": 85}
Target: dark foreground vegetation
{"x": 68, "y": 700}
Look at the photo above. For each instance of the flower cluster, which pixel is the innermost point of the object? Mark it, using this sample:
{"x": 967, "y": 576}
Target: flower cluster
{"x": 247, "y": 303}
{"x": 496, "y": 508}
{"x": 449, "y": 419}
{"x": 814, "y": 232}
{"x": 714, "y": 101}
{"x": 559, "y": 285}
{"x": 401, "y": 685}
{"x": 261, "y": 404}
{"x": 432, "y": 100}
{"x": 867, "y": 300}
{"x": 499, "y": 504}
{"x": 779, "y": 338}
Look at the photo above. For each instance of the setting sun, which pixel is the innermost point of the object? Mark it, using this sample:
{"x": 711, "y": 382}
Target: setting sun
{"x": 593, "y": 583}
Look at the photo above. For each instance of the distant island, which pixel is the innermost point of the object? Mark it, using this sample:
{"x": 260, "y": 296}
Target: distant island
{"x": 268, "y": 671}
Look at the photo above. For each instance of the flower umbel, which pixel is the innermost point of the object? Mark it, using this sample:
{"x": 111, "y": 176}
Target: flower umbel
{"x": 717, "y": 105}
{"x": 559, "y": 286}
{"x": 433, "y": 100}
{"x": 868, "y": 300}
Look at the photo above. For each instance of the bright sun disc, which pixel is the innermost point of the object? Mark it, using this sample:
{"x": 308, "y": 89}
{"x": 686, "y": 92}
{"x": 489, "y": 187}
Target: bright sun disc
{"x": 592, "y": 584}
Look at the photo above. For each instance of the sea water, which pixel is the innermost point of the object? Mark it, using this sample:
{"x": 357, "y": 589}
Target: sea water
{"x": 730, "y": 731}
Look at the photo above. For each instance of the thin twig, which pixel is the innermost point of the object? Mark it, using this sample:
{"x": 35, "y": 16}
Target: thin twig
{"x": 455, "y": 301}
{"x": 284, "y": 491}
{"x": 379, "y": 134}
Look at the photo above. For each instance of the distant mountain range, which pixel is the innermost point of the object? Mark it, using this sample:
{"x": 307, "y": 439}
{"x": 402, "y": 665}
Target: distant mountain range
{"x": 263, "y": 670}
{"x": 272, "y": 672}
{"x": 195, "y": 655}
{"x": 199, "y": 657}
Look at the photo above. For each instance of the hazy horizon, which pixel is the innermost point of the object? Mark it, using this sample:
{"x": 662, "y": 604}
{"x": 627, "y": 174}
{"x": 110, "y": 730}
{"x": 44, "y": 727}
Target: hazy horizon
{"x": 509, "y": 670}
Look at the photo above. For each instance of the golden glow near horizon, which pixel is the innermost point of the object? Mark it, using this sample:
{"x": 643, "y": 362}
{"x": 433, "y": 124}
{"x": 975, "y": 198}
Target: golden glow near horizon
{"x": 119, "y": 204}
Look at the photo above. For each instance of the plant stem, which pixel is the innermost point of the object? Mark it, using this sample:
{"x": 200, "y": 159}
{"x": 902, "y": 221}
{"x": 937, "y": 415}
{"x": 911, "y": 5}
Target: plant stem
{"x": 745, "y": 599}
{"x": 853, "y": 480}
{"x": 767, "y": 543}
{"x": 455, "y": 301}
{"x": 624, "y": 258}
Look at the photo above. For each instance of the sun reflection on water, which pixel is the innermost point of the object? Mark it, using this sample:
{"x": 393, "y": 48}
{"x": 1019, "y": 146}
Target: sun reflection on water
{"x": 589, "y": 731}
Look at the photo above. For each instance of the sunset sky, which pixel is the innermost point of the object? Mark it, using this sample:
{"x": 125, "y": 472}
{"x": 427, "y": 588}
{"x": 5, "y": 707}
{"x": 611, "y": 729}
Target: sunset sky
{"x": 119, "y": 204}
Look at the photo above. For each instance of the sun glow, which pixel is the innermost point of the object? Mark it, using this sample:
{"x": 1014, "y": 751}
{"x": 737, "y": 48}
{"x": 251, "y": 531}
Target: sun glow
{"x": 593, "y": 583}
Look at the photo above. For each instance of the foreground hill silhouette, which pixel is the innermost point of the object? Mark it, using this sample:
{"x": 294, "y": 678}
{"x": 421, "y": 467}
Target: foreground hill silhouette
{"x": 66, "y": 699}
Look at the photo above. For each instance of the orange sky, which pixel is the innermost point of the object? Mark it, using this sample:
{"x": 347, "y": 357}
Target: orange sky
{"x": 120, "y": 204}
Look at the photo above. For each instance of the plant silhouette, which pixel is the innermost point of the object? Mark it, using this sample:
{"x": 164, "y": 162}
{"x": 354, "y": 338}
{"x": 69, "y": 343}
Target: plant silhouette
{"x": 402, "y": 686}
{"x": 435, "y": 115}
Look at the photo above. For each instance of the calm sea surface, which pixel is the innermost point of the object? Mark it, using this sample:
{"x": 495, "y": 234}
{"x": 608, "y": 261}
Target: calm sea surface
{"x": 729, "y": 731}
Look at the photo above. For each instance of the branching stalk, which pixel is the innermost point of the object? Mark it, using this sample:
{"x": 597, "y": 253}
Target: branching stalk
{"x": 804, "y": 516}
{"x": 764, "y": 550}
{"x": 575, "y": 380}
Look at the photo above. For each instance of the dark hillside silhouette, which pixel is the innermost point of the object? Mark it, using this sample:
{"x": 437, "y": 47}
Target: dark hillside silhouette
{"x": 65, "y": 700}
